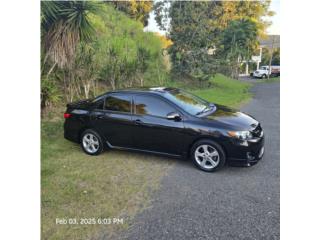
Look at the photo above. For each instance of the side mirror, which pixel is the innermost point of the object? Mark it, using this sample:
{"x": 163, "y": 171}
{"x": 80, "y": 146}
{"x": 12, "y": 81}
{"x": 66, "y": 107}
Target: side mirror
{"x": 174, "y": 116}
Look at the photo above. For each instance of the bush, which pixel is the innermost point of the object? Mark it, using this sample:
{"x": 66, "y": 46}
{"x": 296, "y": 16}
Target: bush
{"x": 50, "y": 93}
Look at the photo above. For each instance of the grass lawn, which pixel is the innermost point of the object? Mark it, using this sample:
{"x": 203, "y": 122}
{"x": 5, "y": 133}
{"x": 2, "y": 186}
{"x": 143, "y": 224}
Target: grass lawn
{"x": 113, "y": 185}
{"x": 226, "y": 91}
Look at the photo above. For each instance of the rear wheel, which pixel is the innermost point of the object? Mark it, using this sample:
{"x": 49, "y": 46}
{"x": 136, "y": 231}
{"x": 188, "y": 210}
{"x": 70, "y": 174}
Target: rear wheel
{"x": 91, "y": 142}
{"x": 208, "y": 155}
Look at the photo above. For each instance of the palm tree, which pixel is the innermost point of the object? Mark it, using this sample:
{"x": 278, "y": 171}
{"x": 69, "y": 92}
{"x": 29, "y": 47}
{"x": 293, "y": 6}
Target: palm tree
{"x": 64, "y": 24}
{"x": 239, "y": 41}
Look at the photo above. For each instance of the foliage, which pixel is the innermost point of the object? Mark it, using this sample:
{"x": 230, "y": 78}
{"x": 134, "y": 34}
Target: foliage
{"x": 197, "y": 27}
{"x": 239, "y": 41}
{"x": 276, "y": 57}
{"x": 84, "y": 69}
{"x": 138, "y": 10}
{"x": 117, "y": 54}
{"x": 143, "y": 55}
{"x": 266, "y": 54}
{"x": 50, "y": 93}
{"x": 192, "y": 38}
{"x": 127, "y": 56}
{"x": 166, "y": 42}
{"x": 64, "y": 24}
{"x": 90, "y": 46}
{"x": 227, "y": 11}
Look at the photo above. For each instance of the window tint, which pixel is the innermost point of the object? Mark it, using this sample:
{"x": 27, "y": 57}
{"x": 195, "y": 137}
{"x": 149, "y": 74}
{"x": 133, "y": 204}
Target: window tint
{"x": 99, "y": 105}
{"x": 148, "y": 105}
{"x": 119, "y": 103}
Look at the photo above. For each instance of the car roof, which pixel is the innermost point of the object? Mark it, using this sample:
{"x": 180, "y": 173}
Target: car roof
{"x": 157, "y": 90}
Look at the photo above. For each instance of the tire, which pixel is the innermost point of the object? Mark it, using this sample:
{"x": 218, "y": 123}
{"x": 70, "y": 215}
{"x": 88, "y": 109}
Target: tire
{"x": 91, "y": 142}
{"x": 264, "y": 76}
{"x": 213, "y": 156}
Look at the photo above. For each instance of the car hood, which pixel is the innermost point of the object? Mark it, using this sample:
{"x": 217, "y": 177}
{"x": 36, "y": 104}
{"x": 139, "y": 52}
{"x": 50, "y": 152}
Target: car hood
{"x": 231, "y": 118}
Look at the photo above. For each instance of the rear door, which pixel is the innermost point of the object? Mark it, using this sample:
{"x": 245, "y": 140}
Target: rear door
{"x": 114, "y": 119}
{"x": 152, "y": 130}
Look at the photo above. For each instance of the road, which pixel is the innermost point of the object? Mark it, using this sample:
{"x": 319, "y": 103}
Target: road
{"x": 233, "y": 203}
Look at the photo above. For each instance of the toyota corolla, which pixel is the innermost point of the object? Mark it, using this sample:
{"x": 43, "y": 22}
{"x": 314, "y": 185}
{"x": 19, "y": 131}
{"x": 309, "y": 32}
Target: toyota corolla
{"x": 167, "y": 121}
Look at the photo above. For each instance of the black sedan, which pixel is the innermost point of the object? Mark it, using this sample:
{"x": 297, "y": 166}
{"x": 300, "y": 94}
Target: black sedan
{"x": 166, "y": 121}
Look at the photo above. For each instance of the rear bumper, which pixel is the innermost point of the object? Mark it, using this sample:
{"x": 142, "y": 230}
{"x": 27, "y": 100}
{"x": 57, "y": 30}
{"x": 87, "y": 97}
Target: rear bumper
{"x": 70, "y": 133}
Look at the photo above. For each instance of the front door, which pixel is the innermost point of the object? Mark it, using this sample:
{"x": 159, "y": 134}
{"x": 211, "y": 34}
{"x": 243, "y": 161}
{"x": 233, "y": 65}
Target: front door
{"x": 152, "y": 130}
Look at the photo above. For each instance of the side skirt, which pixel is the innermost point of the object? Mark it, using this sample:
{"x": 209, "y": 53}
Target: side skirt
{"x": 142, "y": 150}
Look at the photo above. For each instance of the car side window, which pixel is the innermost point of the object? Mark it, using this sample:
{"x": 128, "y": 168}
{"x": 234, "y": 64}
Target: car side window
{"x": 148, "y": 105}
{"x": 118, "y": 103}
{"x": 99, "y": 105}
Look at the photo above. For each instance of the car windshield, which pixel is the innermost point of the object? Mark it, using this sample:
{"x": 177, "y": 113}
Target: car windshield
{"x": 188, "y": 102}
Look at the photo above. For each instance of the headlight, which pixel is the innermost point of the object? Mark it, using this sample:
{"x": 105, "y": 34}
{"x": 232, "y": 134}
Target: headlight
{"x": 242, "y": 135}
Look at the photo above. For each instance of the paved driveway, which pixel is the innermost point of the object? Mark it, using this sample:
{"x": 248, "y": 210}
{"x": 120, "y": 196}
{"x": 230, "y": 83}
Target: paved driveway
{"x": 233, "y": 203}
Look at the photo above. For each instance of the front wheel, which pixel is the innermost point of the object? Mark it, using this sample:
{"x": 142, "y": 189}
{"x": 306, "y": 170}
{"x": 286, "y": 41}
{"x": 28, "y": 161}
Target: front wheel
{"x": 91, "y": 142}
{"x": 264, "y": 76}
{"x": 208, "y": 155}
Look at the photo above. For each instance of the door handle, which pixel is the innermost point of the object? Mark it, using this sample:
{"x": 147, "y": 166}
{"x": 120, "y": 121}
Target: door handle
{"x": 138, "y": 122}
{"x": 98, "y": 117}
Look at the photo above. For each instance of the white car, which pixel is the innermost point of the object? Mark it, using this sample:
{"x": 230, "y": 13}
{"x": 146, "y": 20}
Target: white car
{"x": 263, "y": 71}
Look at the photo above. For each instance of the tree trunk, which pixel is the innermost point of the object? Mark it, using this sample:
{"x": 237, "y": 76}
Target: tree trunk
{"x": 271, "y": 55}
{"x": 86, "y": 90}
{"x": 113, "y": 83}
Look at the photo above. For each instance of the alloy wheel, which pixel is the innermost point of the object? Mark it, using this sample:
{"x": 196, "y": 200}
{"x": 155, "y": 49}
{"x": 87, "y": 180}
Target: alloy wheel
{"x": 207, "y": 156}
{"x": 90, "y": 143}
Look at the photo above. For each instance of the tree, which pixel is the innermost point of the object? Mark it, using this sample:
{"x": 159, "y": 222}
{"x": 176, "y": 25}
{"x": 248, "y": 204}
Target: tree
{"x": 85, "y": 69}
{"x": 276, "y": 57}
{"x": 199, "y": 26}
{"x": 192, "y": 37}
{"x": 49, "y": 93}
{"x": 143, "y": 55}
{"x": 117, "y": 54}
{"x": 227, "y": 11}
{"x": 64, "y": 24}
{"x": 266, "y": 55}
{"x": 138, "y": 10}
{"x": 239, "y": 41}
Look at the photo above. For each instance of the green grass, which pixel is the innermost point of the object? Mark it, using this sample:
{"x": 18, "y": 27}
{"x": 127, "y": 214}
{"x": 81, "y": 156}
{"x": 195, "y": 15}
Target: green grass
{"x": 226, "y": 91}
{"x": 114, "y": 184}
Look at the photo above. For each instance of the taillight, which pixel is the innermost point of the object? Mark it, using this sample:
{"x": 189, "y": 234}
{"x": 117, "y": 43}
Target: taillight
{"x": 66, "y": 115}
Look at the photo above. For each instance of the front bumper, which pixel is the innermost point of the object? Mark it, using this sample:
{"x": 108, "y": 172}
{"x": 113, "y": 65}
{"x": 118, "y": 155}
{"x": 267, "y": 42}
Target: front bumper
{"x": 246, "y": 155}
{"x": 257, "y": 75}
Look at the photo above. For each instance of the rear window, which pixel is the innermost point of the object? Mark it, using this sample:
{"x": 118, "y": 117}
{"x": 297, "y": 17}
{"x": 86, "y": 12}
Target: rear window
{"x": 118, "y": 103}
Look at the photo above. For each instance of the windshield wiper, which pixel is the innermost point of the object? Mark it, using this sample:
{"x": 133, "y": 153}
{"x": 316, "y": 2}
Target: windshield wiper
{"x": 205, "y": 109}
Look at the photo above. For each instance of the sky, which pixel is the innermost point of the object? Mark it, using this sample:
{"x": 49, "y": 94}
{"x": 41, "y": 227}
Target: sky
{"x": 274, "y": 29}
